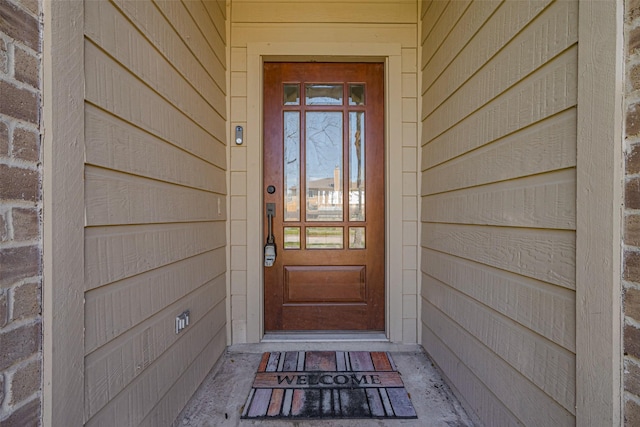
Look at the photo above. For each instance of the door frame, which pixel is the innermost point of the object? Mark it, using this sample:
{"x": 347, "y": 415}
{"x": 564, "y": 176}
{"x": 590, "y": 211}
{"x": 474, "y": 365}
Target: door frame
{"x": 391, "y": 55}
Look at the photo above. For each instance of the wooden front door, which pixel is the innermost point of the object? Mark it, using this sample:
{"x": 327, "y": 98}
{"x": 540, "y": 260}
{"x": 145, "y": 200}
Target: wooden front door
{"x": 324, "y": 179}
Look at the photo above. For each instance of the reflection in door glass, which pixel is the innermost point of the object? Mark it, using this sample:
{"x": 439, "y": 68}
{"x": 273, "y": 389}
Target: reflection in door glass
{"x": 356, "y": 238}
{"x": 323, "y": 94}
{"x": 356, "y": 94}
{"x": 292, "y": 94}
{"x": 324, "y": 238}
{"x": 356, "y": 166}
{"x": 324, "y": 166}
{"x": 292, "y": 166}
{"x": 292, "y": 237}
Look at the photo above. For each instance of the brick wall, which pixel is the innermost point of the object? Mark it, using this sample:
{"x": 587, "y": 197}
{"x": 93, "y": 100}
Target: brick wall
{"x": 20, "y": 213}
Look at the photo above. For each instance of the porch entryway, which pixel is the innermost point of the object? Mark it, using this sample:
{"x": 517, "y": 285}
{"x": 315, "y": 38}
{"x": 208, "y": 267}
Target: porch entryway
{"x": 220, "y": 399}
{"x": 502, "y": 196}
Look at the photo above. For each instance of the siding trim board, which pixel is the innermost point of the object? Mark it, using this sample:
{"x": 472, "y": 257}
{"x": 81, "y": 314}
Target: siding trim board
{"x": 599, "y": 214}
{"x": 63, "y": 191}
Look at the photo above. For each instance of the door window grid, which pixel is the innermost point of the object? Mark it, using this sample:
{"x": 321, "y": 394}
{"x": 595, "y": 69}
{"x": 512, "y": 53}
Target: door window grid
{"x": 325, "y": 201}
{"x": 292, "y": 166}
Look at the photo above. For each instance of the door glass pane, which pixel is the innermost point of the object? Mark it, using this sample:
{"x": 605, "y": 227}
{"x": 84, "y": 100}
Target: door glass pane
{"x": 292, "y": 166}
{"x": 323, "y": 94}
{"x": 292, "y": 94}
{"x": 324, "y": 238}
{"x": 356, "y": 166}
{"x": 356, "y": 238}
{"x": 356, "y": 94}
{"x": 292, "y": 237}
{"x": 324, "y": 166}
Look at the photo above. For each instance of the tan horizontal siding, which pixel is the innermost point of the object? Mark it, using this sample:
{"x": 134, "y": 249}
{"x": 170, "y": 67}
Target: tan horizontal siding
{"x": 545, "y": 309}
{"x": 324, "y": 33}
{"x": 136, "y": 53}
{"x": 476, "y": 394}
{"x": 537, "y": 201}
{"x": 436, "y": 8}
{"x": 434, "y": 34}
{"x": 179, "y": 18}
{"x": 468, "y": 50}
{"x": 175, "y": 399}
{"x": 115, "y": 198}
{"x": 543, "y": 147}
{"x": 467, "y": 25}
{"x": 549, "y": 90}
{"x": 114, "y": 365}
{"x": 114, "y": 89}
{"x": 155, "y": 205}
{"x": 112, "y": 253}
{"x": 401, "y": 11}
{"x": 148, "y": 19}
{"x": 464, "y": 92}
{"x": 213, "y": 34}
{"x": 217, "y": 10}
{"x": 499, "y": 95}
{"x": 124, "y": 304}
{"x": 424, "y": 5}
{"x": 140, "y": 396}
{"x": 523, "y": 398}
{"x": 549, "y": 366}
{"x": 112, "y": 143}
{"x": 547, "y": 255}
{"x": 499, "y": 119}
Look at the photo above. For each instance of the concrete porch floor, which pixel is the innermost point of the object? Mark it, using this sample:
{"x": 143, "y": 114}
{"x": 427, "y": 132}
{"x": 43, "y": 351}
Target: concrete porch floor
{"x": 220, "y": 399}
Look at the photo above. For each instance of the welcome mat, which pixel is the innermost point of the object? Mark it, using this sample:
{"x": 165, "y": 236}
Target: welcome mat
{"x": 327, "y": 384}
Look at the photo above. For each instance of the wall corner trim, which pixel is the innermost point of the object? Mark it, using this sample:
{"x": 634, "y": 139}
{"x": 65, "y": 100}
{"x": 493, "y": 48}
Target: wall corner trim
{"x": 63, "y": 199}
{"x": 599, "y": 213}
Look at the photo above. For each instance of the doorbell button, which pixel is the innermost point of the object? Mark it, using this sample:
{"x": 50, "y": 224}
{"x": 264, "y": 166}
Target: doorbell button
{"x": 239, "y": 135}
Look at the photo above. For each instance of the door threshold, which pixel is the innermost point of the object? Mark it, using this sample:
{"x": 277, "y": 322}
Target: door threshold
{"x": 324, "y": 336}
